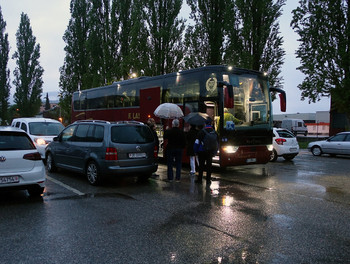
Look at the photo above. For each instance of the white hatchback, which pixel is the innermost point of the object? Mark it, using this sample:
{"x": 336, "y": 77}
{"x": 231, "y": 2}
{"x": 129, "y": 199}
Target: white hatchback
{"x": 41, "y": 130}
{"x": 21, "y": 166}
{"x": 285, "y": 144}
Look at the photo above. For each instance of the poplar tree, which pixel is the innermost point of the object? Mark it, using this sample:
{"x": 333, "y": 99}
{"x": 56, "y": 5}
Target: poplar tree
{"x": 254, "y": 40}
{"x": 165, "y": 32}
{"x": 98, "y": 43}
{"x": 324, "y": 30}
{"x": 129, "y": 38}
{"x": 74, "y": 73}
{"x": 4, "y": 72}
{"x": 28, "y": 72}
{"x": 205, "y": 38}
{"x": 47, "y": 102}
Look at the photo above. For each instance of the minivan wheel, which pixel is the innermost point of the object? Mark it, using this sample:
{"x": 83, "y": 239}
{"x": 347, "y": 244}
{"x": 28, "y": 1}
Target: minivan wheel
{"x": 316, "y": 151}
{"x": 50, "y": 163}
{"x": 93, "y": 174}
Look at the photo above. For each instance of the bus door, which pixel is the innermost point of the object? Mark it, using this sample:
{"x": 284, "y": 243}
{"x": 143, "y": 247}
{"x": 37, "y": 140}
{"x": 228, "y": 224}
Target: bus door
{"x": 149, "y": 101}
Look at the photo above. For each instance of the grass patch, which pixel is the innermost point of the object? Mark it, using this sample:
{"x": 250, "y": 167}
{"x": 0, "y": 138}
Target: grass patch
{"x": 303, "y": 144}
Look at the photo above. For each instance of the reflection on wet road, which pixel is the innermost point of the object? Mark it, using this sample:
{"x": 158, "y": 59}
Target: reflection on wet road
{"x": 281, "y": 212}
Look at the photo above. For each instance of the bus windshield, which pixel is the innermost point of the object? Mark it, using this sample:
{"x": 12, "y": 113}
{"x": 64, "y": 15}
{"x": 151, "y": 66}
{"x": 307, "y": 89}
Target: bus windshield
{"x": 251, "y": 101}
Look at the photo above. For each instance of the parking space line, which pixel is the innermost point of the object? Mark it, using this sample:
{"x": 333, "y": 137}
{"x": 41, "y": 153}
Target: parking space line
{"x": 65, "y": 186}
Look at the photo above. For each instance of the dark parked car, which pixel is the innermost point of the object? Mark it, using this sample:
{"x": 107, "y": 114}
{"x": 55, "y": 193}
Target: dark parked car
{"x": 336, "y": 145}
{"x": 101, "y": 148}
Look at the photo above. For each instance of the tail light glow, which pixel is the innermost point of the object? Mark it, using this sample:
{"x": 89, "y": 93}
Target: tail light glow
{"x": 280, "y": 141}
{"x": 111, "y": 154}
{"x": 32, "y": 156}
{"x": 155, "y": 152}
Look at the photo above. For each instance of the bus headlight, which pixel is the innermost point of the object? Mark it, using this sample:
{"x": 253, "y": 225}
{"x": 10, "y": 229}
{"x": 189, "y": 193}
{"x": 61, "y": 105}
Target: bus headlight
{"x": 269, "y": 147}
{"x": 230, "y": 149}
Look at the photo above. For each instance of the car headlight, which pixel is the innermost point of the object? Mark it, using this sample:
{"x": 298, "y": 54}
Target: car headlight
{"x": 40, "y": 141}
{"x": 230, "y": 149}
{"x": 269, "y": 147}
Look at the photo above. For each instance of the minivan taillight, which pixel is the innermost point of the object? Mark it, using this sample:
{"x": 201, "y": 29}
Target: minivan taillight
{"x": 111, "y": 154}
{"x": 32, "y": 156}
{"x": 155, "y": 153}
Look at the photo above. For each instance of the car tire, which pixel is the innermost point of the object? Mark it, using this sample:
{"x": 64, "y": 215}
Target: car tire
{"x": 50, "y": 163}
{"x": 35, "y": 191}
{"x": 316, "y": 151}
{"x": 273, "y": 156}
{"x": 289, "y": 157}
{"x": 93, "y": 174}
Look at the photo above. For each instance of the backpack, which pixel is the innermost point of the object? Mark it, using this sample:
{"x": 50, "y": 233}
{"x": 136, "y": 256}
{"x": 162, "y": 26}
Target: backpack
{"x": 210, "y": 141}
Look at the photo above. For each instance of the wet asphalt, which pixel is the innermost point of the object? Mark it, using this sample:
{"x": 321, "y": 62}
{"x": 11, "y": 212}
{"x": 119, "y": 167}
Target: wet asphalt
{"x": 281, "y": 212}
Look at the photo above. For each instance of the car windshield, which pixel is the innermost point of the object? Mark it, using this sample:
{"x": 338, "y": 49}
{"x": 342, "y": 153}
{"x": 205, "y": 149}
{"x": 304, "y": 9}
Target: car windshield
{"x": 131, "y": 134}
{"x": 45, "y": 128}
{"x": 15, "y": 141}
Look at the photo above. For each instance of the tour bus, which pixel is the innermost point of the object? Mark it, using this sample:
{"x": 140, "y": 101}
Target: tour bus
{"x": 215, "y": 90}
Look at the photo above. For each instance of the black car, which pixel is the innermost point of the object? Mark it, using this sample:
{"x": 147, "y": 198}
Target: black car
{"x": 101, "y": 148}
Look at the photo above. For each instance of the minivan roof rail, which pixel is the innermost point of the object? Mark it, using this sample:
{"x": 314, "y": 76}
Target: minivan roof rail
{"x": 94, "y": 121}
{"x": 129, "y": 122}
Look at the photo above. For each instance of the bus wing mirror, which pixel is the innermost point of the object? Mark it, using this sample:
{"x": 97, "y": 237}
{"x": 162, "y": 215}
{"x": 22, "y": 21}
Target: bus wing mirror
{"x": 228, "y": 96}
{"x": 283, "y": 100}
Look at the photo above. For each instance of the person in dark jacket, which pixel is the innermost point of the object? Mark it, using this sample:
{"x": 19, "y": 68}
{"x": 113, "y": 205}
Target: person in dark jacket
{"x": 152, "y": 125}
{"x": 176, "y": 143}
{"x": 190, "y": 139}
{"x": 205, "y": 156}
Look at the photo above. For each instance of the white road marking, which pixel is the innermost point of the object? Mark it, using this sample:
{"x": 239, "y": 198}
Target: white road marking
{"x": 65, "y": 186}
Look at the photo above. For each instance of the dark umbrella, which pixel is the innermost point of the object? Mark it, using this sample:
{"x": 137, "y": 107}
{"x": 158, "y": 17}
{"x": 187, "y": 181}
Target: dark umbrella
{"x": 197, "y": 118}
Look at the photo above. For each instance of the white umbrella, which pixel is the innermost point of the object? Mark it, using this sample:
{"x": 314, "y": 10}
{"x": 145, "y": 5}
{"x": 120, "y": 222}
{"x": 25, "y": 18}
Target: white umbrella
{"x": 168, "y": 111}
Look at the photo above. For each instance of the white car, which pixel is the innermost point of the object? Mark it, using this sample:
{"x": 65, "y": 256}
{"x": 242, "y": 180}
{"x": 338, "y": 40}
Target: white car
{"x": 336, "y": 145}
{"x": 285, "y": 144}
{"x": 21, "y": 166}
{"x": 41, "y": 130}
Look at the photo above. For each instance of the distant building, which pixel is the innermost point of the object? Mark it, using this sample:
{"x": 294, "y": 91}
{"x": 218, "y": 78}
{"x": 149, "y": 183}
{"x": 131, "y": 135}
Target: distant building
{"x": 317, "y": 123}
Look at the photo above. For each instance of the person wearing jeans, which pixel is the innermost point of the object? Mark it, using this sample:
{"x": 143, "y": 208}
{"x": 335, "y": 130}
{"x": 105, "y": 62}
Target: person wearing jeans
{"x": 176, "y": 143}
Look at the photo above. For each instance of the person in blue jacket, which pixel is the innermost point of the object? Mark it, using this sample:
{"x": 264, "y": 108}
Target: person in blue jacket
{"x": 205, "y": 153}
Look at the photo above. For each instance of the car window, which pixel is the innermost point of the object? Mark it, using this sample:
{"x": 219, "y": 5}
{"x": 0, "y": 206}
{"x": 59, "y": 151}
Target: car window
{"x": 24, "y": 127}
{"x": 285, "y": 134}
{"x": 18, "y": 124}
{"x": 81, "y": 133}
{"x": 98, "y": 134}
{"x": 340, "y": 137}
{"x": 347, "y": 138}
{"x": 15, "y": 141}
{"x": 67, "y": 134}
{"x": 131, "y": 134}
{"x": 45, "y": 128}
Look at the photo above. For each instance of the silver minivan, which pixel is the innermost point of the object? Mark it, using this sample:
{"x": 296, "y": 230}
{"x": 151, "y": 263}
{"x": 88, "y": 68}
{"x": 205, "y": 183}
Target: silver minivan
{"x": 101, "y": 148}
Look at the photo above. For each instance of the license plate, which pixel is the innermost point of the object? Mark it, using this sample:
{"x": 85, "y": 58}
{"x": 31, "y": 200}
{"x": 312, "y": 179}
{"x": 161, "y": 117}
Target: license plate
{"x": 137, "y": 155}
{"x": 251, "y": 160}
{"x": 293, "y": 149}
{"x": 9, "y": 179}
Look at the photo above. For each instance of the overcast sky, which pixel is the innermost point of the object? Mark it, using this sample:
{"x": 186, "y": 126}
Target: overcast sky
{"x": 49, "y": 20}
